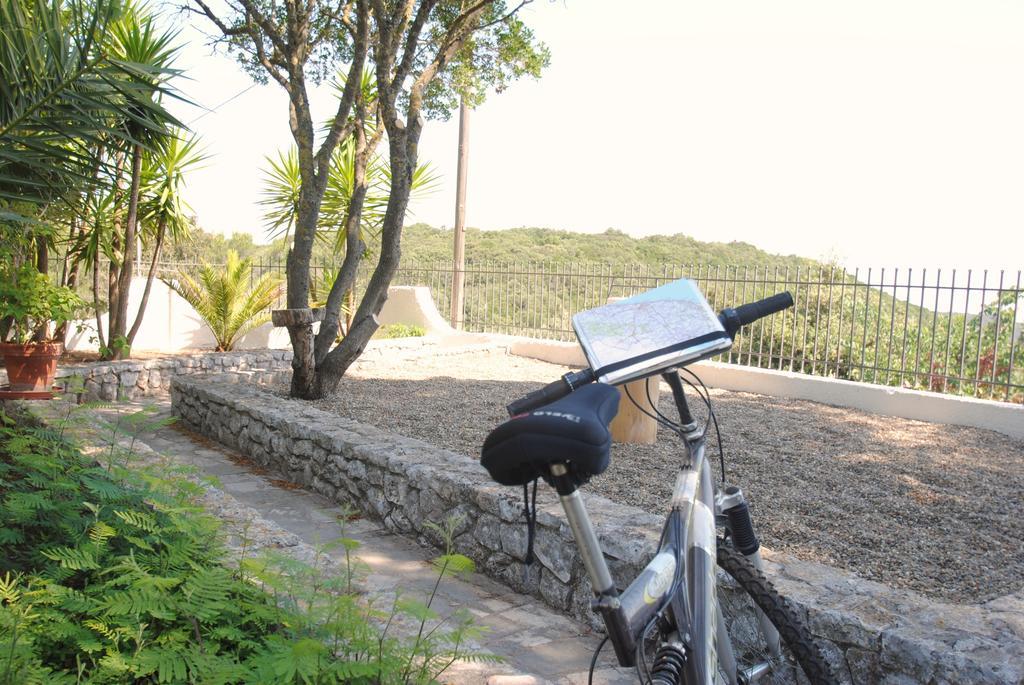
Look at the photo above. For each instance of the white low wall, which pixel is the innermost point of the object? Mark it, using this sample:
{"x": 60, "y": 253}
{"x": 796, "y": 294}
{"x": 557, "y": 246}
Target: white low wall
{"x": 878, "y": 399}
{"x": 414, "y": 306}
{"x": 171, "y": 324}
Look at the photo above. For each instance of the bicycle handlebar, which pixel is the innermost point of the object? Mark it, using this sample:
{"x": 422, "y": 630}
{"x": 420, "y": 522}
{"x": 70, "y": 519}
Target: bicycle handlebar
{"x": 732, "y": 320}
{"x": 746, "y": 314}
{"x": 551, "y": 392}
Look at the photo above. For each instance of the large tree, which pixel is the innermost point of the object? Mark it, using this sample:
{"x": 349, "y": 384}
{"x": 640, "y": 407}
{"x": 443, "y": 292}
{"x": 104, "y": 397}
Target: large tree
{"x": 409, "y": 46}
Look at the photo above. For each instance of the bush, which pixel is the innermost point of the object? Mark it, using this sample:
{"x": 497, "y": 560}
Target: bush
{"x": 111, "y": 575}
{"x": 400, "y": 330}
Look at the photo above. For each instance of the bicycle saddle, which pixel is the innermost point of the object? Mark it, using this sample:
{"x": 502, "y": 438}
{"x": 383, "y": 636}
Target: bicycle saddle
{"x": 572, "y": 430}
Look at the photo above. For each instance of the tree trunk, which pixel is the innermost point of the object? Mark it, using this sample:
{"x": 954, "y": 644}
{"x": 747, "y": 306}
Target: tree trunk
{"x": 364, "y": 324}
{"x": 106, "y": 352}
{"x": 301, "y": 335}
{"x": 43, "y": 267}
{"x": 158, "y": 245}
{"x": 354, "y": 247}
{"x": 72, "y": 266}
{"x": 96, "y": 300}
{"x": 119, "y": 324}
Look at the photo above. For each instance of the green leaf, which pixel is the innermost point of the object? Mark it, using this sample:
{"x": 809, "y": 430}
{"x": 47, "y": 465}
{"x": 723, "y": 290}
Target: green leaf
{"x": 455, "y": 564}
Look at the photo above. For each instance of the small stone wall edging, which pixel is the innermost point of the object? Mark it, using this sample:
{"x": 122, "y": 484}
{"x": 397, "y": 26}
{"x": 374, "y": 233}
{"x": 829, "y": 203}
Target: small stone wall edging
{"x": 133, "y": 378}
{"x": 873, "y": 633}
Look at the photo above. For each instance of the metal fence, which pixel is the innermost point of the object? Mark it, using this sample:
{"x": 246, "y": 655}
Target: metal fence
{"x": 947, "y": 331}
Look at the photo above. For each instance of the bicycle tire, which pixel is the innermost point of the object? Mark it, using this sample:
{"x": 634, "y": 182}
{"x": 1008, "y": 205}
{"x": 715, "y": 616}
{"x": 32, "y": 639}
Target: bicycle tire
{"x": 795, "y": 637}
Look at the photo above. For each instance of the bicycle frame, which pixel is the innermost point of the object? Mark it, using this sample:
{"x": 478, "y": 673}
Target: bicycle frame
{"x": 691, "y": 620}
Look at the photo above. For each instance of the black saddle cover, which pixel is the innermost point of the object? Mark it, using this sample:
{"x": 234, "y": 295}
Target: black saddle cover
{"x": 572, "y": 430}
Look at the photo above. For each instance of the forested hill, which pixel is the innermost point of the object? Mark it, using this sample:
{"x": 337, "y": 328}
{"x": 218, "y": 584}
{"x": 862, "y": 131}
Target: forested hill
{"x": 423, "y": 243}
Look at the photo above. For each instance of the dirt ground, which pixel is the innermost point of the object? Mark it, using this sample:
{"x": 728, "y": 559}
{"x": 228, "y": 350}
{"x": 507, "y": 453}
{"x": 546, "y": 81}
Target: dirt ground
{"x": 928, "y": 507}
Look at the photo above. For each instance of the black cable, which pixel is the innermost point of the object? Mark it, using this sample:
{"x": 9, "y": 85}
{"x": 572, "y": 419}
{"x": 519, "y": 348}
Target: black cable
{"x": 217, "y": 107}
{"x": 654, "y": 405}
{"x": 593, "y": 661}
{"x": 712, "y": 418}
{"x": 667, "y": 424}
{"x": 707, "y": 393}
{"x": 638, "y": 653}
{"x": 704, "y": 395}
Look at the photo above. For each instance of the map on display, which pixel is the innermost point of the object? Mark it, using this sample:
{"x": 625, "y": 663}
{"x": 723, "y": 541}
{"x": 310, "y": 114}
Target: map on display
{"x": 657, "y": 330}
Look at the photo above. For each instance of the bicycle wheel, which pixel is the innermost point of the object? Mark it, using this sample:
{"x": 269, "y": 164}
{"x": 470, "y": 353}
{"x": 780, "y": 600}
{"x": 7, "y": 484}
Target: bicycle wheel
{"x": 801, "y": 660}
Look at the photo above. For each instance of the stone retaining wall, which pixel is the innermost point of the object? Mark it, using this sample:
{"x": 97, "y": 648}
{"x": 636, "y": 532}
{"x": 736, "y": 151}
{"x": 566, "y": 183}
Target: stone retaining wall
{"x": 873, "y": 634}
{"x": 137, "y": 377}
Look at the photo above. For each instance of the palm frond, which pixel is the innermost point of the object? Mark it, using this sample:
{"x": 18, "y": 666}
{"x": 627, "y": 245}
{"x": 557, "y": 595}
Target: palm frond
{"x": 225, "y": 300}
{"x": 280, "y": 192}
{"x": 64, "y": 94}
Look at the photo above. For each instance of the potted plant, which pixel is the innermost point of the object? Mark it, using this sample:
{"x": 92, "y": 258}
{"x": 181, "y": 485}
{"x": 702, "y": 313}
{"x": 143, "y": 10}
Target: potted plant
{"x": 29, "y": 303}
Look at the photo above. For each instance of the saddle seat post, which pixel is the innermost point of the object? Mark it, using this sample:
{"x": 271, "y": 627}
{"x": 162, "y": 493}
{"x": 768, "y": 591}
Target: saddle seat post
{"x": 606, "y": 601}
{"x": 583, "y": 531}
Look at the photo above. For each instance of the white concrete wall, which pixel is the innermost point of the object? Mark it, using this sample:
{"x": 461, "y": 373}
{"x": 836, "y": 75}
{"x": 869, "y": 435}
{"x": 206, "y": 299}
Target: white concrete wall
{"x": 171, "y": 324}
{"x": 878, "y": 399}
{"x": 414, "y": 306}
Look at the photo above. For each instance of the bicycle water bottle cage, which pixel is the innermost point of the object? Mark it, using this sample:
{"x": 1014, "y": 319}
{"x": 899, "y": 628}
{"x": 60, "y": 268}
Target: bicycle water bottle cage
{"x": 572, "y": 430}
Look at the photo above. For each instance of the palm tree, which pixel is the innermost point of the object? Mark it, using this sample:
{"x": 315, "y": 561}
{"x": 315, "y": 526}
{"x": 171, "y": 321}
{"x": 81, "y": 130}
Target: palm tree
{"x": 62, "y": 93}
{"x": 162, "y": 209}
{"x": 346, "y": 173}
{"x": 281, "y": 195}
{"x": 81, "y": 90}
{"x": 135, "y": 39}
{"x": 226, "y": 301}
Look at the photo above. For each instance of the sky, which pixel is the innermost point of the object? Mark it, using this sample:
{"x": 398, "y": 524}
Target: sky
{"x": 878, "y": 132}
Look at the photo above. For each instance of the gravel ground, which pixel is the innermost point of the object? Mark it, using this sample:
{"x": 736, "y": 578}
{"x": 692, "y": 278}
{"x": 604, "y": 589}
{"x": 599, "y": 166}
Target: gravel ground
{"x": 928, "y": 507}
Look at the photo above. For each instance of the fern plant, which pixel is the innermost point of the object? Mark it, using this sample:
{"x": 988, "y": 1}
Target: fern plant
{"x": 227, "y": 299}
{"x": 111, "y": 574}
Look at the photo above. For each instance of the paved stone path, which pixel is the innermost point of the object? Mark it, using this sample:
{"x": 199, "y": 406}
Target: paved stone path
{"x": 538, "y": 644}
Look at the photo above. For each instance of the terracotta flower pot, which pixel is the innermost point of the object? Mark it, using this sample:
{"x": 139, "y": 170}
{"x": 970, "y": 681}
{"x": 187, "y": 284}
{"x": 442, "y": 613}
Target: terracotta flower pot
{"x": 31, "y": 366}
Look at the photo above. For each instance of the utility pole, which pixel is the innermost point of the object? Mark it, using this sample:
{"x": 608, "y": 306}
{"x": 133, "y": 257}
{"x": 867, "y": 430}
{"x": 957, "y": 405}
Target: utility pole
{"x": 459, "y": 270}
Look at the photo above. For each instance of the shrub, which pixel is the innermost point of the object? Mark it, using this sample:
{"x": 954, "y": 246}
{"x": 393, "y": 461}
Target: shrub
{"x": 401, "y": 330}
{"x": 227, "y": 299}
{"x": 113, "y": 575}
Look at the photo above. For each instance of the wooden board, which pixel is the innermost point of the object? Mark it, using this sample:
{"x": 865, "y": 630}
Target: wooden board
{"x": 631, "y": 425}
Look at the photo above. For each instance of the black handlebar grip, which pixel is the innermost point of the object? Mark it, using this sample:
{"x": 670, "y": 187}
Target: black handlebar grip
{"x": 538, "y": 398}
{"x": 749, "y": 313}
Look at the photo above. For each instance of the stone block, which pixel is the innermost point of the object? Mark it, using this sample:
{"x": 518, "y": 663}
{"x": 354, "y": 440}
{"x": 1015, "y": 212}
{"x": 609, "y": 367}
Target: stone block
{"x": 555, "y": 555}
{"x": 911, "y": 657}
{"x": 108, "y": 392}
{"x": 863, "y": 665}
{"x": 837, "y": 660}
{"x": 554, "y": 591}
{"x": 513, "y": 539}
{"x": 374, "y": 476}
{"x": 395, "y": 488}
{"x": 843, "y": 628}
{"x": 488, "y": 532}
{"x": 354, "y": 468}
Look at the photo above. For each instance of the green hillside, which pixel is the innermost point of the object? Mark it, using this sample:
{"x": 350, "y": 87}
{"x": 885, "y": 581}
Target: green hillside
{"x": 423, "y": 243}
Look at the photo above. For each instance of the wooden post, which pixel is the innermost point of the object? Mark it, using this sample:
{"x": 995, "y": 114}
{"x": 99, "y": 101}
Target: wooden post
{"x": 631, "y": 425}
{"x": 459, "y": 262}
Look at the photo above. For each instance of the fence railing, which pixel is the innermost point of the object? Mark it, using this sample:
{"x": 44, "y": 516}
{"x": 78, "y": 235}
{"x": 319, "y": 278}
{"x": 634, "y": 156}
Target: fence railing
{"x": 953, "y": 331}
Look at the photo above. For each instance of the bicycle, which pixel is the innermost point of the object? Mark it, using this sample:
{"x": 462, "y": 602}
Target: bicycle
{"x": 670, "y": 623}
